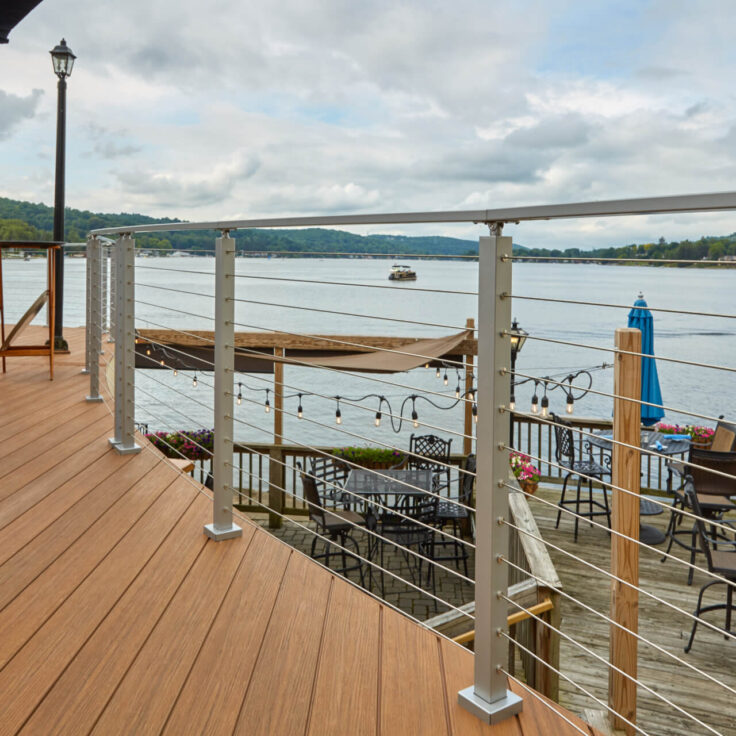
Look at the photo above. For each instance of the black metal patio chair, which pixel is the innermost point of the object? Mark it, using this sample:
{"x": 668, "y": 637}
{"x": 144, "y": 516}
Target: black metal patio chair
{"x": 337, "y": 524}
{"x": 720, "y": 562}
{"x": 713, "y": 491}
{"x": 585, "y": 470}
{"x": 428, "y": 451}
{"x": 330, "y": 475}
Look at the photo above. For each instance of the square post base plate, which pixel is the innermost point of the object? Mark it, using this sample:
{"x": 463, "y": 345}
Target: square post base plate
{"x": 221, "y": 534}
{"x": 487, "y": 712}
{"x": 122, "y": 449}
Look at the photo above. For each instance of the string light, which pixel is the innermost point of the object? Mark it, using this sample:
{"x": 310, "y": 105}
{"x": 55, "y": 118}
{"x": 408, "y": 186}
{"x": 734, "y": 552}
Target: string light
{"x": 162, "y": 362}
{"x": 512, "y": 403}
{"x": 240, "y": 394}
{"x": 437, "y": 374}
{"x": 457, "y": 391}
{"x": 338, "y": 413}
{"x": 148, "y": 351}
{"x": 267, "y": 405}
{"x": 535, "y": 399}
{"x": 378, "y": 413}
{"x": 445, "y": 380}
{"x": 474, "y": 411}
{"x": 570, "y": 398}
{"x": 299, "y": 410}
{"x": 194, "y": 381}
{"x": 176, "y": 372}
{"x": 545, "y": 402}
{"x": 414, "y": 415}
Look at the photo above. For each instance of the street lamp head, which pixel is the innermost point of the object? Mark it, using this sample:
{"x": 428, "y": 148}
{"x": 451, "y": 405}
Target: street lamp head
{"x": 63, "y": 60}
{"x": 518, "y": 337}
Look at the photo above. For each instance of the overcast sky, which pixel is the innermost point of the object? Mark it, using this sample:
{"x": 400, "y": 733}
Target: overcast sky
{"x": 235, "y": 108}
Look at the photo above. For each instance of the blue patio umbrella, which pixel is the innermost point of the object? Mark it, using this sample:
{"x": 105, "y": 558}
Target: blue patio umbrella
{"x": 641, "y": 318}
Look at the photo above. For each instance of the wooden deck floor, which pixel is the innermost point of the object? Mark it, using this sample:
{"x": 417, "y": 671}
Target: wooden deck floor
{"x": 657, "y": 623}
{"x": 119, "y": 616}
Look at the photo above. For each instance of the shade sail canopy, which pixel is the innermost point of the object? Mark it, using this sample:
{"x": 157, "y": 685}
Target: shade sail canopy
{"x": 12, "y": 12}
{"x": 403, "y": 358}
{"x": 641, "y": 318}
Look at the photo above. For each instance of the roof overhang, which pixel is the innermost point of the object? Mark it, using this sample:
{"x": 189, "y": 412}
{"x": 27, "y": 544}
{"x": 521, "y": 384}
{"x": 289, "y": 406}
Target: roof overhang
{"x": 12, "y": 12}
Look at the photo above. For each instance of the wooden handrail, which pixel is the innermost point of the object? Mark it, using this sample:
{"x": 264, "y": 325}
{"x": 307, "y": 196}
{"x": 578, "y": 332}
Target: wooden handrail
{"x": 514, "y": 618}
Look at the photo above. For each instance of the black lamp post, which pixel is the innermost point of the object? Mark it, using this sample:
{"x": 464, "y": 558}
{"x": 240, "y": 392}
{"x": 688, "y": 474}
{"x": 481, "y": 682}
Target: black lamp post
{"x": 517, "y": 339}
{"x": 63, "y": 61}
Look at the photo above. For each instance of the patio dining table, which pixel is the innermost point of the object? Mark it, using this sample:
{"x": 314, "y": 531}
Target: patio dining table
{"x": 651, "y": 441}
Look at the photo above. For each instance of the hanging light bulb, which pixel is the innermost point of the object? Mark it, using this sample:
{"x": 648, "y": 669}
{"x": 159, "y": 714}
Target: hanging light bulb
{"x": 338, "y": 413}
{"x": 148, "y": 351}
{"x": 176, "y": 372}
{"x": 162, "y": 362}
{"x": 299, "y": 410}
{"x": 194, "y": 381}
{"x": 426, "y": 365}
{"x": 267, "y": 405}
{"x": 445, "y": 380}
{"x": 570, "y": 402}
{"x": 512, "y": 403}
{"x": 545, "y": 405}
{"x": 378, "y": 419}
{"x": 437, "y": 374}
{"x": 535, "y": 400}
{"x": 414, "y": 415}
{"x": 457, "y": 391}
{"x": 475, "y": 413}
{"x": 240, "y": 394}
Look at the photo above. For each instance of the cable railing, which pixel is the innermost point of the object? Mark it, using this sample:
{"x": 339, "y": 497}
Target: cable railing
{"x": 269, "y": 477}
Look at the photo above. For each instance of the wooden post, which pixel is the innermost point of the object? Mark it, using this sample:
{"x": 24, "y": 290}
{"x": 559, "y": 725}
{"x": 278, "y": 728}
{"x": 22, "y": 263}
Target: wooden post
{"x": 276, "y": 473}
{"x": 626, "y": 466}
{"x": 468, "y": 430}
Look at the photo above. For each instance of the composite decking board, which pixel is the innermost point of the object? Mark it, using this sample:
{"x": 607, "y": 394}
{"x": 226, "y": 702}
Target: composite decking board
{"x": 277, "y": 700}
{"x": 23, "y": 450}
{"x": 210, "y": 699}
{"x": 458, "y": 673}
{"x": 16, "y": 391}
{"x": 78, "y": 697}
{"x": 38, "y": 465}
{"x": 86, "y": 531}
{"x": 34, "y": 415}
{"x": 351, "y": 635}
{"x": 32, "y": 405}
{"x": 412, "y": 694}
{"x": 32, "y": 508}
{"x": 143, "y": 700}
{"x": 35, "y": 668}
{"x": 34, "y": 602}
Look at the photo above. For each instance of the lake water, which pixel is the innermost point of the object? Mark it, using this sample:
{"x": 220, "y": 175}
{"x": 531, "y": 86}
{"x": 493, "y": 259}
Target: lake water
{"x": 165, "y": 401}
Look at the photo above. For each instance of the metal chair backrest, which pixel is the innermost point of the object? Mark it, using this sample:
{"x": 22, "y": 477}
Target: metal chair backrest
{"x": 692, "y": 499}
{"x": 468, "y": 473}
{"x": 564, "y": 441}
{"x": 316, "y": 511}
{"x": 433, "y": 452}
{"x": 711, "y": 483}
{"x": 329, "y": 475}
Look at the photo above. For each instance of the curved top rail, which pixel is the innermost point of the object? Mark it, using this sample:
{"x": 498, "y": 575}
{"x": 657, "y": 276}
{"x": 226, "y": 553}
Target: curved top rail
{"x": 608, "y": 208}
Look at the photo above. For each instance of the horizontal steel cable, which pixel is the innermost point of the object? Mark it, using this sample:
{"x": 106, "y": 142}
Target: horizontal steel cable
{"x": 314, "y": 309}
{"x": 621, "y": 535}
{"x": 608, "y": 664}
{"x": 583, "y": 259}
{"x": 352, "y": 283}
{"x": 608, "y": 574}
{"x": 546, "y": 703}
{"x": 621, "y": 627}
{"x": 644, "y": 450}
{"x": 578, "y": 302}
{"x": 369, "y": 348}
{"x": 359, "y": 254}
{"x": 627, "y": 352}
{"x": 546, "y": 379}
{"x": 350, "y": 463}
{"x": 353, "y": 524}
{"x": 576, "y": 685}
{"x": 349, "y": 402}
{"x": 295, "y": 361}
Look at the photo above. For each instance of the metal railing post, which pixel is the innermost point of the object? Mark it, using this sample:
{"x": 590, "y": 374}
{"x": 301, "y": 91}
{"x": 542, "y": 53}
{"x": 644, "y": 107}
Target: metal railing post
{"x": 104, "y": 251}
{"x": 94, "y": 325}
{"x": 88, "y": 306}
{"x": 489, "y": 698}
{"x": 222, "y": 526}
{"x": 113, "y": 285}
{"x": 124, "y": 441}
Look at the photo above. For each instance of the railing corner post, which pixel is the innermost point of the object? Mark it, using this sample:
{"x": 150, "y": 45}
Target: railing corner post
{"x": 124, "y": 441}
{"x": 94, "y": 317}
{"x": 489, "y": 698}
{"x": 222, "y": 526}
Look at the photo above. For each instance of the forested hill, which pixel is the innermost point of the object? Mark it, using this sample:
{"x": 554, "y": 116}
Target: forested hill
{"x": 26, "y": 221}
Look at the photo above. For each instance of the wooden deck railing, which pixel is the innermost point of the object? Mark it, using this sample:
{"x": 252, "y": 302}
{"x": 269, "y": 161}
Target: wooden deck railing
{"x": 534, "y": 436}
